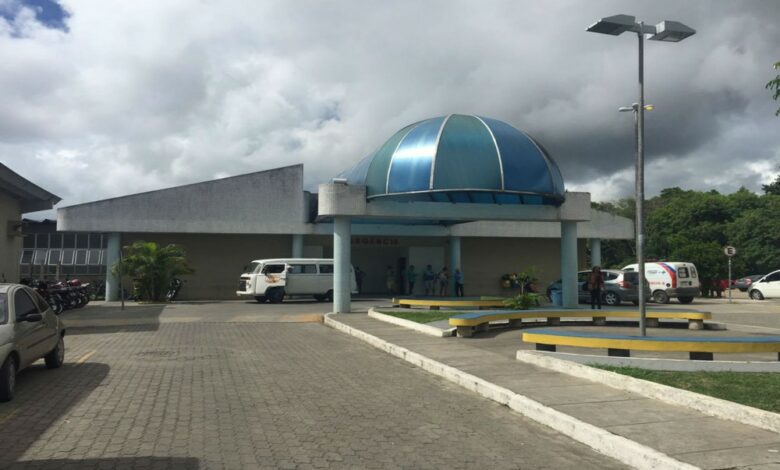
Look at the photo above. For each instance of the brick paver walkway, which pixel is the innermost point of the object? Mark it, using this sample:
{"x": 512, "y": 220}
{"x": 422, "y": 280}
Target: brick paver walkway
{"x": 198, "y": 395}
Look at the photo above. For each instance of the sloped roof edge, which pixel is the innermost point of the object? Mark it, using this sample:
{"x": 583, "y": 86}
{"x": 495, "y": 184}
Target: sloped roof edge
{"x": 32, "y": 197}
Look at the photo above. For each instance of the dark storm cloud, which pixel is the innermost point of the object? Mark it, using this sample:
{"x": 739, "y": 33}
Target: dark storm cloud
{"x": 140, "y": 96}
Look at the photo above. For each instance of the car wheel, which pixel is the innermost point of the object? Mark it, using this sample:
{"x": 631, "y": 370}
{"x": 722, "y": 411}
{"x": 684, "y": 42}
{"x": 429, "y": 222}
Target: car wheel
{"x": 56, "y": 357}
{"x": 660, "y": 297}
{"x": 276, "y": 295}
{"x": 329, "y": 296}
{"x": 685, "y": 300}
{"x": 611, "y": 299}
{"x": 8, "y": 379}
{"x": 320, "y": 297}
{"x": 260, "y": 299}
{"x": 756, "y": 294}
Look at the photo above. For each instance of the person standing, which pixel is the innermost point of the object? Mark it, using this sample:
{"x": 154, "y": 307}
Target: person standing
{"x": 444, "y": 281}
{"x": 595, "y": 284}
{"x": 359, "y": 275}
{"x": 390, "y": 280}
{"x": 428, "y": 277}
{"x": 411, "y": 278}
{"x": 458, "y": 282}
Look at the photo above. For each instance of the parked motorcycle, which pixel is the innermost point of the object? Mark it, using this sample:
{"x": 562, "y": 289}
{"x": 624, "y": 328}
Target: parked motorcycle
{"x": 173, "y": 289}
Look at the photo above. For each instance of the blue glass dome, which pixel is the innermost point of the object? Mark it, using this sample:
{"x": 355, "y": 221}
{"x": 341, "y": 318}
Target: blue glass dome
{"x": 461, "y": 158}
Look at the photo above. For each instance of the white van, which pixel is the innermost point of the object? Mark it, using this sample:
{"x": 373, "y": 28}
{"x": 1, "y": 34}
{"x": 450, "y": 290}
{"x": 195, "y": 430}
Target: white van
{"x": 670, "y": 279}
{"x": 272, "y": 279}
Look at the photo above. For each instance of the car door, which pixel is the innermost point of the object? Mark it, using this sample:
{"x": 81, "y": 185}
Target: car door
{"x": 583, "y": 294}
{"x": 28, "y": 334}
{"x": 771, "y": 288}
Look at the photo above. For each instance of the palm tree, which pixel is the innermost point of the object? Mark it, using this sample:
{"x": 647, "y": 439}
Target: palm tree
{"x": 153, "y": 267}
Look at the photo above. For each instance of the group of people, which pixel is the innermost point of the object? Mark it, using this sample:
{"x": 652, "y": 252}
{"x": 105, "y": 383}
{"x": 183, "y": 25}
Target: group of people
{"x": 431, "y": 280}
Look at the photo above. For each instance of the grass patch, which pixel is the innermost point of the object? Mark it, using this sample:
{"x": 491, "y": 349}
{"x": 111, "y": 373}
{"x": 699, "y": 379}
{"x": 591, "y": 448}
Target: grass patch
{"x": 756, "y": 389}
{"x": 425, "y": 316}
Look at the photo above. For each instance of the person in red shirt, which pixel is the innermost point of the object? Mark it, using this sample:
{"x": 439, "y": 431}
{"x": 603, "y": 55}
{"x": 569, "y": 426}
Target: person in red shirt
{"x": 595, "y": 284}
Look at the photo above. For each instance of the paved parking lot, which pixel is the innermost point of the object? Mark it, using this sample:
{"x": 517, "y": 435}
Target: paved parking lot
{"x": 249, "y": 395}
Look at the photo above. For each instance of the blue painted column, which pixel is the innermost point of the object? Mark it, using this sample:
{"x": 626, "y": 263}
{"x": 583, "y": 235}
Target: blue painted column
{"x": 569, "y": 264}
{"x": 454, "y": 261}
{"x": 342, "y": 291}
{"x": 595, "y": 252}
{"x": 111, "y": 257}
{"x": 297, "y": 245}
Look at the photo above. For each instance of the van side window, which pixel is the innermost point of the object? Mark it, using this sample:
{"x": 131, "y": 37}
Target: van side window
{"x": 693, "y": 272}
{"x": 273, "y": 269}
{"x": 682, "y": 273}
{"x": 326, "y": 269}
{"x": 303, "y": 269}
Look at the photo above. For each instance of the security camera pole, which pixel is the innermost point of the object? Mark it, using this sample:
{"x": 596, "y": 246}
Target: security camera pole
{"x": 669, "y": 31}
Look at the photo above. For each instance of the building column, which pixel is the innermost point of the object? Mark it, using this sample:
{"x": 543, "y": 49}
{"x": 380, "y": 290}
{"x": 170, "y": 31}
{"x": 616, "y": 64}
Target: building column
{"x": 454, "y": 261}
{"x": 342, "y": 285}
{"x": 569, "y": 264}
{"x": 297, "y": 245}
{"x": 595, "y": 252}
{"x": 112, "y": 256}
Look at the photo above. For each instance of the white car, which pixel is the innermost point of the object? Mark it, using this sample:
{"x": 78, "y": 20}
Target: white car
{"x": 768, "y": 287}
{"x": 29, "y": 330}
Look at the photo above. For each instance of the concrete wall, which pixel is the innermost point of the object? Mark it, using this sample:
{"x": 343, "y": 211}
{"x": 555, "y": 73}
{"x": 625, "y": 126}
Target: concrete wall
{"x": 486, "y": 259}
{"x": 264, "y": 202}
{"x": 218, "y": 260}
{"x": 10, "y": 243}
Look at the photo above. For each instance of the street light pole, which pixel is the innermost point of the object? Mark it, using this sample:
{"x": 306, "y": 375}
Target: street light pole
{"x": 668, "y": 31}
{"x": 640, "y": 183}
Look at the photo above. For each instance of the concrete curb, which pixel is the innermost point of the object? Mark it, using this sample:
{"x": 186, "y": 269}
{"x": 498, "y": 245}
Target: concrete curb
{"x": 674, "y": 396}
{"x": 619, "y": 448}
{"x": 419, "y": 327}
{"x": 656, "y": 363}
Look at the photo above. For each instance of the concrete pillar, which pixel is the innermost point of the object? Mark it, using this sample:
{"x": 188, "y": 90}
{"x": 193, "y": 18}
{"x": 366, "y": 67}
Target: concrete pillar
{"x": 595, "y": 252}
{"x": 569, "y": 264}
{"x": 112, "y": 256}
{"x": 341, "y": 264}
{"x": 297, "y": 245}
{"x": 454, "y": 261}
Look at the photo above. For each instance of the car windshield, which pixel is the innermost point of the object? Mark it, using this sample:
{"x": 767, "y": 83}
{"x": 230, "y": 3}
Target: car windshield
{"x": 252, "y": 266}
{"x": 3, "y": 308}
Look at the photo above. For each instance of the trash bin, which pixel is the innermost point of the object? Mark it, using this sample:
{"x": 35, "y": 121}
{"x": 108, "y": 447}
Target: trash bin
{"x": 556, "y": 297}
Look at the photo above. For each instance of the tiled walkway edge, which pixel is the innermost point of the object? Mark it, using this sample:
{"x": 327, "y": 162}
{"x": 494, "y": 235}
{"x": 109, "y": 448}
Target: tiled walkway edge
{"x": 624, "y": 450}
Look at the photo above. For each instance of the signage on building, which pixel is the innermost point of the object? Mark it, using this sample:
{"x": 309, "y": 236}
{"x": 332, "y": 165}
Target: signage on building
{"x": 374, "y": 241}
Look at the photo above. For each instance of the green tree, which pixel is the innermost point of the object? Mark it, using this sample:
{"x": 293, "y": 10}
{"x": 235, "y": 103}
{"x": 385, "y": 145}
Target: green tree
{"x": 774, "y": 84}
{"x": 153, "y": 267}
{"x": 773, "y": 187}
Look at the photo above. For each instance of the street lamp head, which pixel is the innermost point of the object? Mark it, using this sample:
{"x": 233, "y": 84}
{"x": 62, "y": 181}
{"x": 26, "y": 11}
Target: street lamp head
{"x": 625, "y": 109}
{"x": 671, "y": 31}
{"x": 613, "y": 25}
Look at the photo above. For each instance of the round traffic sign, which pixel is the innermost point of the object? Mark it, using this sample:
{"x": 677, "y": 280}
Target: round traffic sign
{"x": 730, "y": 250}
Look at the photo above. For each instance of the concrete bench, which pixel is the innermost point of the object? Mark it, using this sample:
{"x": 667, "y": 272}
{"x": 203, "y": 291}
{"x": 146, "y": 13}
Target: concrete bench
{"x": 621, "y": 345}
{"x": 469, "y": 322}
{"x": 436, "y": 304}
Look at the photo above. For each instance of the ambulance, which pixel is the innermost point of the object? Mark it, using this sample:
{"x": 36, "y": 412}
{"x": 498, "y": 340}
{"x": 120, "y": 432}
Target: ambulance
{"x": 670, "y": 279}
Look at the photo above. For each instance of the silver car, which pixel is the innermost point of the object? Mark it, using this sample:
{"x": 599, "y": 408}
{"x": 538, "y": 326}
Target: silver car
{"x": 29, "y": 330}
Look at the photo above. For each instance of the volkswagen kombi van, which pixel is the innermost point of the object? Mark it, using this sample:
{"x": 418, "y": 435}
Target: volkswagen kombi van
{"x": 670, "y": 279}
{"x": 273, "y": 279}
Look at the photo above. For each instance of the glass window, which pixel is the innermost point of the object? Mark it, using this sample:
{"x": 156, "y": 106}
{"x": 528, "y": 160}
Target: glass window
{"x": 69, "y": 240}
{"x": 82, "y": 240}
{"x": 3, "y": 308}
{"x": 27, "y": 256}
{"x": 609, "y": 276}
{"x": 773, "y": 277}
{"x": 682, "y": 273}
{"x": 28, "y": 241}
{"x": 583, "y": 277}
{"x": 326, "y": 269}
{"x": 693, "y": 272}
{"x": 94, "y": 257}
{"x": 94, "y": 240}
{"x": 273, "y": 269}
{"x": 67, "y": 256}
{"x": 81, "y": 257}
{"x": 252, "y": 267}
{"x": 42, "y": 304}
{"x": 55, "y": 240}
{"x": 39, "y": 257}
{"x": 23, "y": 304}
{"x": 42, "y": 240}
{"x": 54, "y": 257}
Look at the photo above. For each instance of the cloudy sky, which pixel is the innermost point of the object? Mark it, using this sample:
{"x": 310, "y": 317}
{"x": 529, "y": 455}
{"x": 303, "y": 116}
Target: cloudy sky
{"x": 105, "y": 98}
